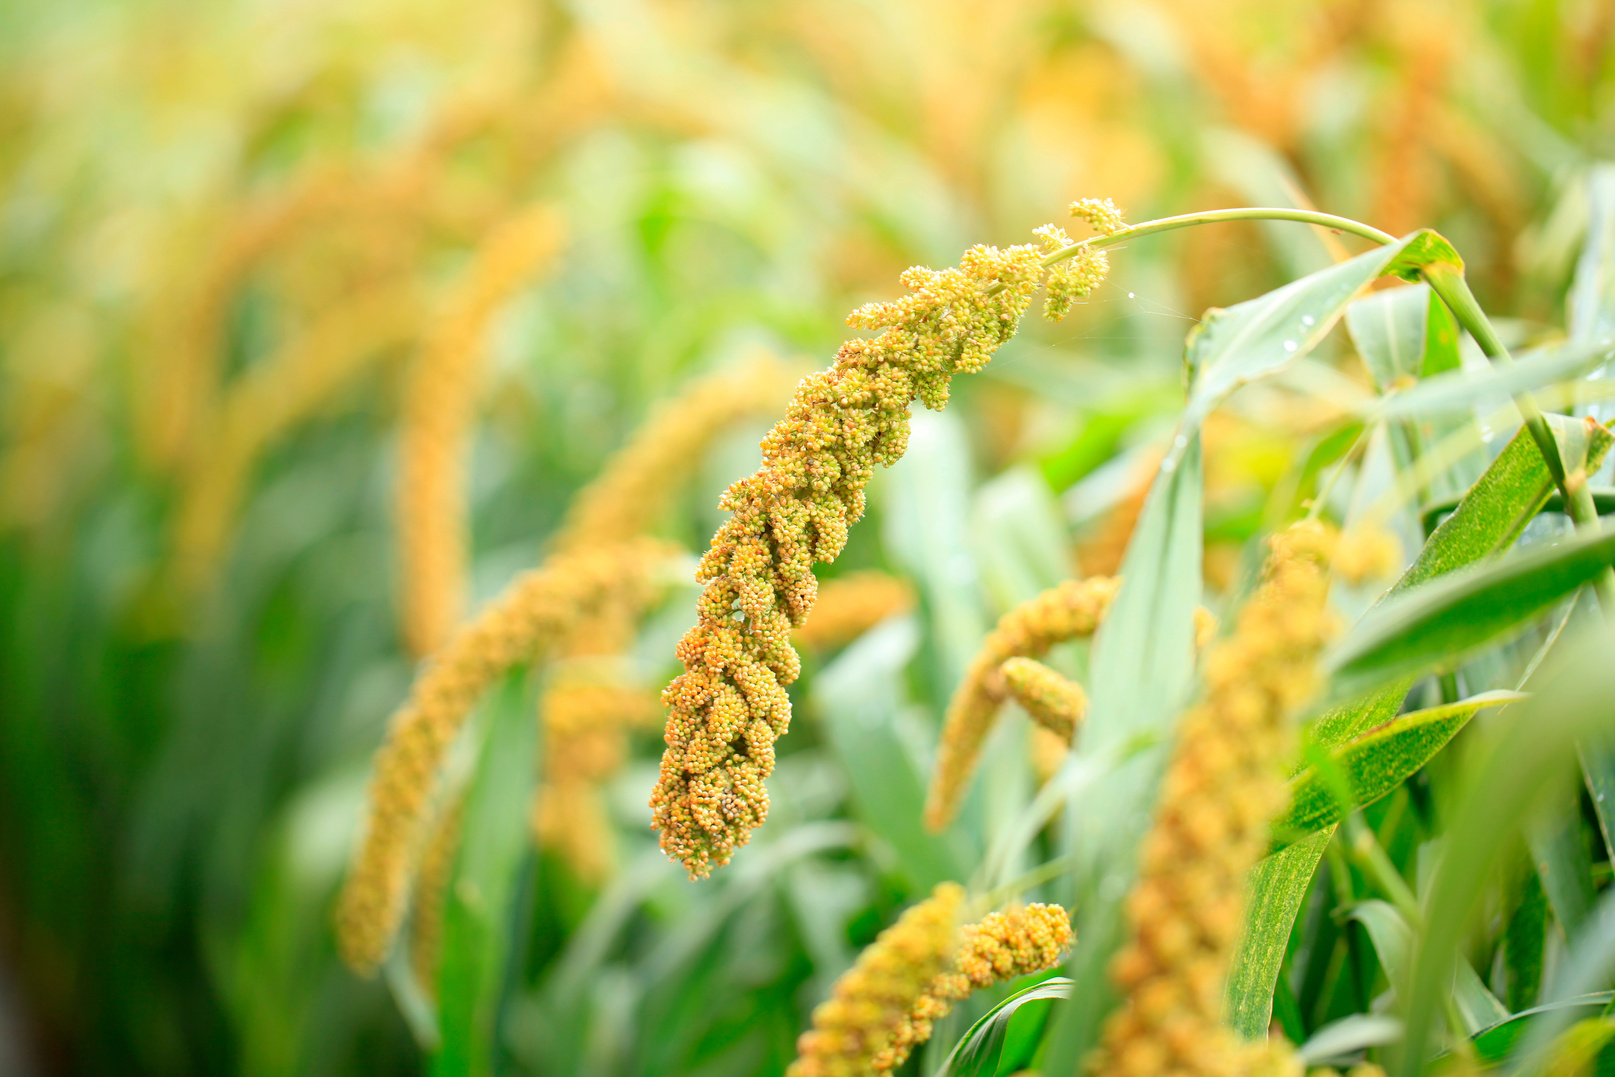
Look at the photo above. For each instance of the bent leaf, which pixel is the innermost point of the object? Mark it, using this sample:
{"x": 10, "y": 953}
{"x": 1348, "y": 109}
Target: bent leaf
{"x": 1390, "y": 330}
{"x": 476, "y": 919}
{"x": 1436, "y": 626}
{"x": 1261, "y": 336}
{"x": 1006, "y": 1037}
{"x": 1376, "y": 763}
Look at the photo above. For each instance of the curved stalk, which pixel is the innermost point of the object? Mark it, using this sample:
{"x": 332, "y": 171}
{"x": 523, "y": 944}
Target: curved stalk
{"x": 1241, "y": 213}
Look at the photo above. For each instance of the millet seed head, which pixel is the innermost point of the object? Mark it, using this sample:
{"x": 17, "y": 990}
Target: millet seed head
{"x": 1222, "y": 786}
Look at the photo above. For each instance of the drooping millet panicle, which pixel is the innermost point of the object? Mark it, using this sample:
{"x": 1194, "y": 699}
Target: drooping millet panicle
{"x": 438, "y": 405}
{"x": 1057, "y": 704}
{"x": 730, "y": 704}
{"x": 1069, "y": 610}
{"x": 850, "y": 605}
{"x": 1223, "y": 785}
{"x": 536, "y": 609}
{"x": 431, "y": 892}
{"x": 872, "y": 999}
{"x": 1077, "y": 276}
{"x": 590, "y": 702}
{"x": 1002, "y": 947}
{"x": 282, "y": 390}
{"x": 1049, "y": 699}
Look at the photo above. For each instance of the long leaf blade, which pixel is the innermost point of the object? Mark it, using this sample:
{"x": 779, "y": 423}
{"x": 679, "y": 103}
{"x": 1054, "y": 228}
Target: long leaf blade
{"x": 1376, "y": 763}
{"x": 1435, "y": 626}
{"x": 477, "y": 920}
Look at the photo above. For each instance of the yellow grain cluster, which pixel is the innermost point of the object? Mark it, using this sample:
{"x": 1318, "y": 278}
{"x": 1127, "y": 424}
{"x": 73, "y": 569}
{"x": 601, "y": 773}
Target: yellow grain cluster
{"x": 873, "y": 999}
{"x": 730, "y": 704}
{"x": 431, "y": 893}
{"x": 1002, "y": 947}
{"x": 1049, "y": 699}
{"x": 538, "y": 608}
{"x": 1071, "y": 609}
{"x": 850, "y": 605}
{"x": 591, "y": 703}
{"x": 1367, "y": 552}
{"x": 436, "y": 414}
{"x": 1221, "y": 788}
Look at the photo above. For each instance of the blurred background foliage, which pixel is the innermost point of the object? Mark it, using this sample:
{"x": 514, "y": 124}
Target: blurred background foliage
{"x": 226, "y": 230}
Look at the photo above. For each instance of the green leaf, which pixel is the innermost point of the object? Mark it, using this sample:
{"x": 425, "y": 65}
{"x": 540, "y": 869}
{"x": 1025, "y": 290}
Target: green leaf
{"x": 925, "y": 529}
{"x": 1436, "y": 626}
{"x": 1555, "y": 841}
{"x": 1339, "y": 724}
{"x": 1020, "y": 537}
{"x": 1391, "y": 331}
{"x": 1278, "y": 885}
{"x": 1506, "y": 776}
{"x": 1459, "y": 391}
{"x": 1499, "y": 505}
{"x": 1393, "y": 941}
{"x": 1006, "y": 1038}
{"x": 1261, "y": 336}
{"x": 1341, "y": 1040}
{"x": 1586, "y": 966}
{"x": 1525, "y": 939}
{"x": 1440, "y": 339}
{"x": 1376, "y": 763}
{"x": 1489, "y": 518}
{"x": 857, "y": 698}
{"x": 477, "y": 914}
{"x": 1478, "y": 1007}
{"x": 1498, "y": 1042}
{"x": 1142, "y": 672}
{"x": 1391, "y": 936}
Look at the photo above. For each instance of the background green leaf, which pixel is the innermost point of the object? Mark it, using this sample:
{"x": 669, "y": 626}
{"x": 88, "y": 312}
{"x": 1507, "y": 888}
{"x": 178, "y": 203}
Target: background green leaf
{"x": 478, "y": 914}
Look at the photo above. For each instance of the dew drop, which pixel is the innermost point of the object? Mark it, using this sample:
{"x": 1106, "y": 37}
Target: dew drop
{"x": 1180, "y": 441}
{"x": 1129, "y": 295}
{"x": 1289, "y": 345}
{"x": 1168, "y": 464}
{"x": 1307, "y": 319}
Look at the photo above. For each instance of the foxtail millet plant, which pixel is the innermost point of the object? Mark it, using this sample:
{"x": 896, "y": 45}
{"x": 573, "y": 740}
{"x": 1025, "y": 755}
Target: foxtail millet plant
{"x": 1048, "y": 698}
{"x": 873, "y": 999}
{"x": 1069, "y": 610}
{"x": 1223, "y": 785}
{"x": 534, "y": 611}
{"x": 1002, "y": 946}
{"x": 730, "y": 705}
{"x": 439, "y": 401}
{"x": 1066, "y": 611}
{"x": 590, "y": 703}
